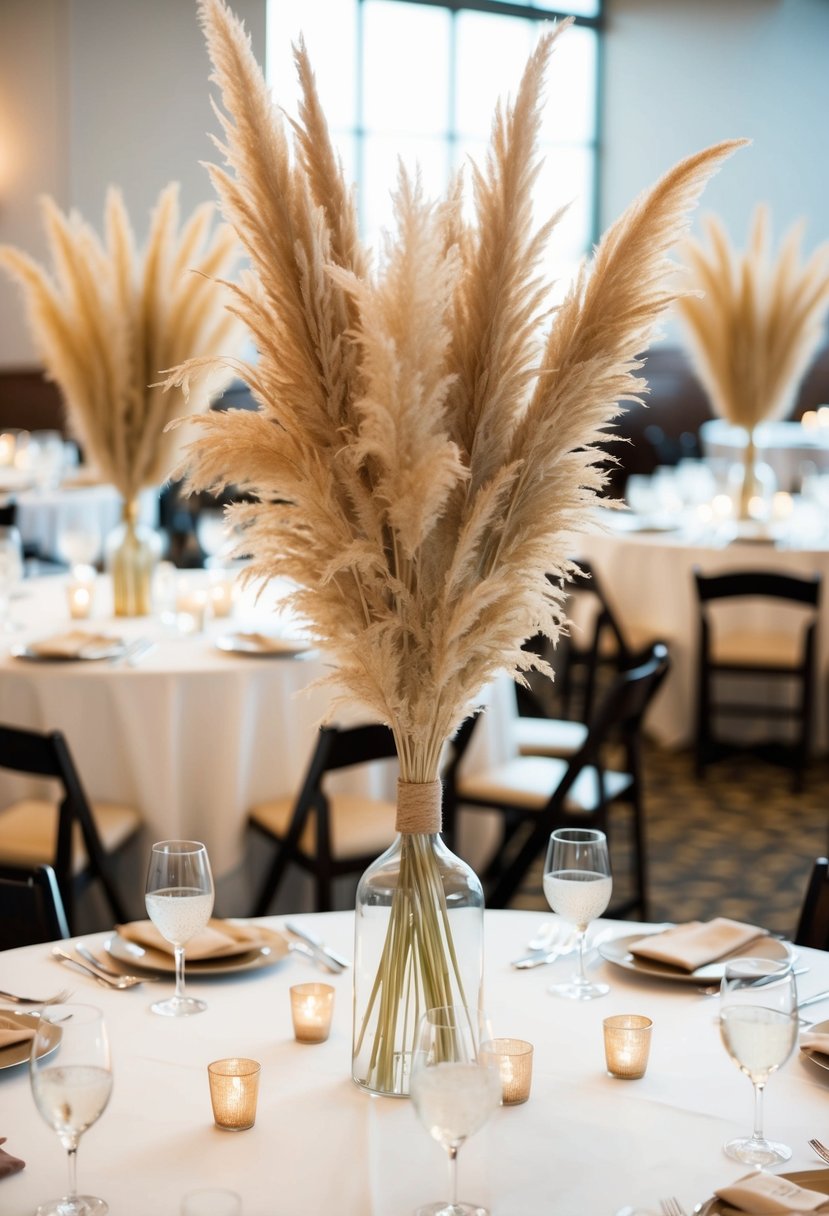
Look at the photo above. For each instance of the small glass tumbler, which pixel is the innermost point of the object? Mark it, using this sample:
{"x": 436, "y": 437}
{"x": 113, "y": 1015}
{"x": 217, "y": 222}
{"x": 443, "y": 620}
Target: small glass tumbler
{"x": 515, "y": 1064}
{"x": 627, "y": 1041}
{"x": 234, "y": 1089}
{"x": 311, "y": 1008}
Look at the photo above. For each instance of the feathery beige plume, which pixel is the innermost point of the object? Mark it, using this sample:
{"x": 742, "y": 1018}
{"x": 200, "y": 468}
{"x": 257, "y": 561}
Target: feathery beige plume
{"x": 753, "y": 322}
{"x": 108, "y": 320}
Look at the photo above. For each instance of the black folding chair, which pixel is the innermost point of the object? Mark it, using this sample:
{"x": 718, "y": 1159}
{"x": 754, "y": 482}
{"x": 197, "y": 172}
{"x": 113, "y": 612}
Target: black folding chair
{"x": 31, "y": 909}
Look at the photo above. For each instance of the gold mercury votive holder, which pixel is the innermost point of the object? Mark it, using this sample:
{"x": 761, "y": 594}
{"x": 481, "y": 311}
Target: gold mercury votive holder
{"x": 80, "y": 592}
{"x": 311, "y": 1009}
{"x": 515, "y": 1064}
{"x": 234, "y": 1089}
{"x": 627, "y": 1041}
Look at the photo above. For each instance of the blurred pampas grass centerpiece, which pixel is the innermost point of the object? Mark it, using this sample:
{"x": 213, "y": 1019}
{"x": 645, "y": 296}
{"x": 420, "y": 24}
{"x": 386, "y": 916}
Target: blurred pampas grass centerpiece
{"x": 107, "y": 321}
{"x": 753, "y": 323}
{"x": 422, "y": 456}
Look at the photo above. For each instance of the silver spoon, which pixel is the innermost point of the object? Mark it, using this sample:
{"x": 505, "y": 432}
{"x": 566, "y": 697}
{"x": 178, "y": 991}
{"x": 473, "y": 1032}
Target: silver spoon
{"x": 821, "y": 1150}
{"x": 123, "y": 981}
{"x": 85, "y": 953}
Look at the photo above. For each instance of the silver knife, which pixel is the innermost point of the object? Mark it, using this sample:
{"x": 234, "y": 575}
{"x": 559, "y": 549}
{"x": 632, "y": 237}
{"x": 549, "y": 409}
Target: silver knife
{"x": 319, "y": 947}
{"x": 813, "y": 999}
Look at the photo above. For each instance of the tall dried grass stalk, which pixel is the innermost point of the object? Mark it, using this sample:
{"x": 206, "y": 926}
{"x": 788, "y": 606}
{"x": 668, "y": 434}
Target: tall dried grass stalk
{"x": 108, "y": 320}
{"x": 753, "y": 322}
{"x": 421, "y": 456}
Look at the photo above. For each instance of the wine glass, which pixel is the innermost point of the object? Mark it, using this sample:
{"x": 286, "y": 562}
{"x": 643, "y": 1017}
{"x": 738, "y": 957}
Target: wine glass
{"x": 71, "y": 1076}
{"x": 758, "y": 1027}
{"x": 179, "y": 899}
{"x": 577, "y": 885}
{"x": 11, "y": 572}
{"x": 454, "y": 1087}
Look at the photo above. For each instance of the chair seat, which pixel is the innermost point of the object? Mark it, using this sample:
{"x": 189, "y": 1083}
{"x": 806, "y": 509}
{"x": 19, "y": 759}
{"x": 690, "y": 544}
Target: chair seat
{"x": 529, "y": 781}
{"x": 359, "y": 825}
{"x": 28, "y": 832}
{"x": 752, "y": 649}
{"x": 548, "y": 736}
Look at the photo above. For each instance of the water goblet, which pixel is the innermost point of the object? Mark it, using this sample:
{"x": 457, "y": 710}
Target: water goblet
{"x": 758, "y": 1027}
{"x": 577, "y": 885}
{"x": 179, "y": 899}
{"x": 71, "y": 1078}
{"x": 11, "y": 572}
{"x": 455, "y": 1086}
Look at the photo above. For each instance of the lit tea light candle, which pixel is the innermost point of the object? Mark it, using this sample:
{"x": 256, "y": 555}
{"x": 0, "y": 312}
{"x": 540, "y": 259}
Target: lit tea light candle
{"x": 823, "y": 416}
{"x": 782, "y": 505}
{"x": 514, "y": 1058}
{"x": 311, "y": 1009}
{"x": 191, "y": 606}
{"x": 221, "y": 595}
{"x": 80, "y": 592}
{"x": 627, "y": 1041}
{"x": 722, "y": 507}
{"x": 234, "y": 1089}
{"x": 8, "y": 443}
{"x": 809, "y": 420}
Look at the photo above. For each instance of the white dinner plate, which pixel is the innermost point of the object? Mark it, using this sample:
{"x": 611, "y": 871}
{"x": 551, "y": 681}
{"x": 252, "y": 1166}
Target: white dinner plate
{"x": 817, "y": 1057}
{"x": 812, "y": 1180}
{"x": 113, "y": 651}
{"x": 134, "y": 957}
{"x": 617, "y": 950}
{"x": 263, "y": 644}
{"x": 18, "y": 1053}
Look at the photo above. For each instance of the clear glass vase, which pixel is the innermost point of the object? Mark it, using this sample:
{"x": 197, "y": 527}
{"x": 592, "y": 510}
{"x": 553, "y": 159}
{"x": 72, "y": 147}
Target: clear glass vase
{"x": 131, "y": 553}
{"x": 752, "y": 484}
{"x": 418, "y": 945}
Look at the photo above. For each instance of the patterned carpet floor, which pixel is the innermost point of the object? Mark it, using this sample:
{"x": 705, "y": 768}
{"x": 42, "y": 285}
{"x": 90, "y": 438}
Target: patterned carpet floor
{"x": 739, "y": 843}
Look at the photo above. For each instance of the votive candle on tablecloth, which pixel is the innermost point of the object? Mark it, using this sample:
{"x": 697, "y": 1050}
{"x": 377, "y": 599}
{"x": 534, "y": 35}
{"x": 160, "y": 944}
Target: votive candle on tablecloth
{"x": 515, "y": 1064}
{"x": 234, "y": 1089}
{"x": 191, "y": 606}
{"x": 311, "y": 1009}
{"x": 627, "y": 1041}
{"x": 80, "y": 592}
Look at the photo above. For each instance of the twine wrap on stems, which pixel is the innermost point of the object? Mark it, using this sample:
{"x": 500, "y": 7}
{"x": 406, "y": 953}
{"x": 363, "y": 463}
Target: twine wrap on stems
{"x": 418, "y": 807}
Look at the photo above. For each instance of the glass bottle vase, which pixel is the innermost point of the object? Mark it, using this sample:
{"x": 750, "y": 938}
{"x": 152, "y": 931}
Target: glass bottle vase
{"x": 132, "y": 551}
{"x": 418, "y": 944}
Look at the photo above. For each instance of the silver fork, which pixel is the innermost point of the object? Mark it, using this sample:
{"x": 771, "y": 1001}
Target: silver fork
{"x": 821, "y": 1150}
{"x": 672, "y": 1207}
{"x": 56, "y": 999}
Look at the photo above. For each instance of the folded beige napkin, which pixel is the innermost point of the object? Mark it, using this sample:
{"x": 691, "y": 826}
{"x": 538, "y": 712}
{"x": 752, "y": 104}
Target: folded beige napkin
{"x": 268, "y": 643}
{"x": 766, "y": 1194}
{"x": 815, "y": 1040}
{"x": 76, "y": 644}
{"x": 12, "y": 1031}
{"x": 8, "y": 1163}
{"x": 694, "y": 944}
{"x": 219, "y": 939}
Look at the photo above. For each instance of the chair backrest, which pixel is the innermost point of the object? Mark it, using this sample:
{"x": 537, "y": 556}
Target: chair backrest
{"x": 48, "y": 755}
{"x": 587, "y": 581}
{"x": 31, "y": 908}
{"x": 813, "y": 925}
{"x": 340, "y": 747}
{"x": 764, "y": 583}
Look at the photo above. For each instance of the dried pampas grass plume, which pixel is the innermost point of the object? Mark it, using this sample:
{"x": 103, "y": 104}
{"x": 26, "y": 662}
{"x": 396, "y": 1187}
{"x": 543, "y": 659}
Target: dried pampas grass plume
{"x": 753, "y": 322}
{"x": 421, "y": 461}
{"x": 109, "y": 319}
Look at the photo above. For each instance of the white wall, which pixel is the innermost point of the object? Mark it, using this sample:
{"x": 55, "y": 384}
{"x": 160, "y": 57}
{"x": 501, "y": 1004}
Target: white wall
{"x": 682, "y": 74}
{"x": 94, "y": 92}
{"x": 100, "y": 91}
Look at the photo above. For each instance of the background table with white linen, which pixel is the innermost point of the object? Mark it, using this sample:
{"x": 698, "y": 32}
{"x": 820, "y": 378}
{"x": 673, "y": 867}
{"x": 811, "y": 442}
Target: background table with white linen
{"x": 789, "y": 448}
{"x": 584, "y": 1145}
{"x": 648, "y": 578}
{"x": 45, "y": 516}
{"x": 191, "y": 736}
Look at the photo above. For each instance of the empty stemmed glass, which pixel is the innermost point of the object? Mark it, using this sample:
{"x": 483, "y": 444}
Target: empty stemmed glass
{"x": 455, "y": 1086}
{"x": 179, "y": 899}
{"x": 758, "y": 1027}
{"x": 71, "y": 1077}
{"x": 577, "y": 885}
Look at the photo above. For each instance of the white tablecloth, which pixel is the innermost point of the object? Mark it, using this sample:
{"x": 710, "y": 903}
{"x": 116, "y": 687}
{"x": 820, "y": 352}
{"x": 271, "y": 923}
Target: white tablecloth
{"x": 191, "y": 736}
{"x": 43, "y": 515}
{"x": 584, "y": 1145}
{"x": 648, "y": 578}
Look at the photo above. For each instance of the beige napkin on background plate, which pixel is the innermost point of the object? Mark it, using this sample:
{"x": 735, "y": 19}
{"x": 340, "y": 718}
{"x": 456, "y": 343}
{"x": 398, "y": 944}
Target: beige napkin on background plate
{"x": 696, "y": 943}
{"x": 76, "y": 644}
{"x": 8, "y": 1163}
{"x": 219, "y": 939}
{"x": 815, "y": 1040}
{"x": 768, "y": 1194}
{"x": 13, "y": 1031}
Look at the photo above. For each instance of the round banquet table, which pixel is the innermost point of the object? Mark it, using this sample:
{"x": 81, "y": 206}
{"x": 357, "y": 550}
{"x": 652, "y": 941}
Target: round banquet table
{"x": 43, "y": 515}
{"x": 647, "y": 575}
{"x": 585, "y": 1144}
{"x": 788, "y": 447}
{"x": 191, "y": 736}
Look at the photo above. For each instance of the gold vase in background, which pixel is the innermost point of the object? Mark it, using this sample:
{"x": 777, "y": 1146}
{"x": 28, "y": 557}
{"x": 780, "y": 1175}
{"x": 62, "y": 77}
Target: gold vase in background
{"x": 132, "y": 551}
{"x": 752, "y": 483}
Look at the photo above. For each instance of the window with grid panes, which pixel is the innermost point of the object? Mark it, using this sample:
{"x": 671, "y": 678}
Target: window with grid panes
{"x": 418, "y": 80}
